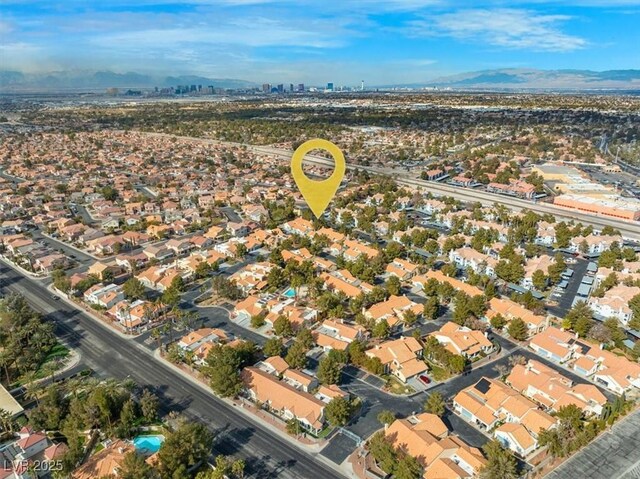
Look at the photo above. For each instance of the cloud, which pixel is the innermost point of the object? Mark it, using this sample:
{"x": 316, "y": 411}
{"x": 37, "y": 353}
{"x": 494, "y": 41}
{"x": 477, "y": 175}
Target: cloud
{"x": 504, "y": 27}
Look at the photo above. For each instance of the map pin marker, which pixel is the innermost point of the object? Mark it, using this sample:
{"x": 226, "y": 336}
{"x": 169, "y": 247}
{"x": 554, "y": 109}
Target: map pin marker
{"x": 318, "y": 194}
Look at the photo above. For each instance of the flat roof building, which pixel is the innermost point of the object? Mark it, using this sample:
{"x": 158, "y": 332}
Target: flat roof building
{"x": 9, "y": 403}
{"x": 617, "y": 207}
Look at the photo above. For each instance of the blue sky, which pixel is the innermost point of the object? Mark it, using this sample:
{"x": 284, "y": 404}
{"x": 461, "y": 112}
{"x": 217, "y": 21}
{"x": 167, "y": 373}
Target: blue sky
{"x": 345, "y": 41}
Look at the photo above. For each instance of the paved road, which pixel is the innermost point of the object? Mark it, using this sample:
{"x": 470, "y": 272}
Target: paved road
{"x": 55, "y": 244}
{"x": 267, "y": 455}
{"x": 566, "y": 300}
{"x": 231, "y": 214}
{"x": 628, "y": 229}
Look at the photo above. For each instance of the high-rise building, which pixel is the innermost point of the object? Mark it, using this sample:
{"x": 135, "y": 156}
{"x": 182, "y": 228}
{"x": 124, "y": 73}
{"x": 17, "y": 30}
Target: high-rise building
{"x": 362, "y": 86}
{"x": 266, "y": 88}
{"x": 291, "y": 87}
{"x": 300, "y": 86}
{"x": 281, "y": 88}
{"x": 330, "y": 86}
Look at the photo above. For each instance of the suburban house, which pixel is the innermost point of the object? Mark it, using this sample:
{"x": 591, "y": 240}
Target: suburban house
{"x": 402, "y": 269}
{"x": 615, "y": 303}
{"x": 479, "y": 263}
{"x": 345, "y": 282}
{"x": 193, "y": 340}
{"x": 400, "y": 357}
{"x": 442, "y": 454}
{"x": 490, "y": 402}
{"x": 555, "y": 344}
{"x": 284, "y": 400}
{"x": 552, "y": 390}
{"x": 463, "y": 341}
{"x": 105, "y": 296}
{"x": 613, "y": 372}
{"x": 420, "y": 282}
{"x": 338, "y": 335}
{"x": 593, "y": 244}
{"x": 393, "y": 309}
{"x": 104, "y": 463}
{"x": 510, "y": 310}
{"x": 538, "y": 263}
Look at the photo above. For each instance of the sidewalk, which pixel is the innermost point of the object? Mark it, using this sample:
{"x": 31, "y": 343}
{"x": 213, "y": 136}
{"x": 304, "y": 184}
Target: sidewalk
{"x": 21, "y": 269}
{"x": 90, "y": 313}
{"x": 313, "y": 449}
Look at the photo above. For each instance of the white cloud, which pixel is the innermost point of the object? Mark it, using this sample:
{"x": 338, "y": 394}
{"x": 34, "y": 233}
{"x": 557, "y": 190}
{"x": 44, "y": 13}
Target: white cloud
{"x": 504, "y": 27}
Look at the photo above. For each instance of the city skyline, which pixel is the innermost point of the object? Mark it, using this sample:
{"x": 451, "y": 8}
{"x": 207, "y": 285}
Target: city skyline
{"x": 401, "y": 41}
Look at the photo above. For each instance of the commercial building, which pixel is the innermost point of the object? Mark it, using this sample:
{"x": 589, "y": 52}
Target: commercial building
{"x": 614, "y": 206}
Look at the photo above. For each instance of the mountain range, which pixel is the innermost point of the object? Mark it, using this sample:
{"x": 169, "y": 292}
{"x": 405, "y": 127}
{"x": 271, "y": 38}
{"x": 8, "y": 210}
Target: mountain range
{"x": 15, "y": 81}
{"x": 498, "y": 79}
{"x": 524, "y": 79}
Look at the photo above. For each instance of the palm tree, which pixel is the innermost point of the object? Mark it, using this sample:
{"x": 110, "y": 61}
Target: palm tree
{"x": 31, "y": 387}
{"x": 5, "y": 361}
{"x": 6, "y": 421}
{"x": 166, "y": 328}
{"x": 157, "y": 335}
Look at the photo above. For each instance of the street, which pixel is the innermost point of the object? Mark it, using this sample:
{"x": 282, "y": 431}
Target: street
{"x": 266, "y": 454}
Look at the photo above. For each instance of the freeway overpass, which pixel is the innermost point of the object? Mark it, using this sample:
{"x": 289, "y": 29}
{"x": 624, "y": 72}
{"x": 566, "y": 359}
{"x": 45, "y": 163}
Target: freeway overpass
{"x": 630, "y": 230}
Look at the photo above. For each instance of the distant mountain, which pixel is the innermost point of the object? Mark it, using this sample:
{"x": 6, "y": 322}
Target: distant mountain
{"x": 514, "y": 78}
{"x": 15, "y": 81}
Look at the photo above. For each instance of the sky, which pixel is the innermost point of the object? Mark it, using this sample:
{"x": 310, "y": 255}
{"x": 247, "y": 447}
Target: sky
{"x": 314, "y": 42}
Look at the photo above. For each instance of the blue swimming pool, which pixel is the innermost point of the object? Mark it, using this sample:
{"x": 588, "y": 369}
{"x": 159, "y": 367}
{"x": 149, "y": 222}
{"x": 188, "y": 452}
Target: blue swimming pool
{"x": 290, "y": 293}
{"x": 148, "y": 444}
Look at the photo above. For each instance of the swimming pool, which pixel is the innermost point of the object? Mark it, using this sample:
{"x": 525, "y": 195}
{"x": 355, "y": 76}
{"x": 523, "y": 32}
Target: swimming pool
{"x": 148, "y": 444}
{"x": 290, "y": 293}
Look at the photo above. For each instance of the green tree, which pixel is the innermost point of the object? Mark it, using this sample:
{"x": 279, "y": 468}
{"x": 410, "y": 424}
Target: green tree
{"x": 282, "y": 327}
{"x": 580, "y": 315}
{"x": 171, "y": 296}
{"x": 386, "y": 417}
{"x": 60, "y": 281}
{"x": 149, "y": 404}
{"x": 393, "y": 285}
{"x": 305, "y": 338}
{"x": 517, "y": 329}
{"x": 634, "y": 305}
{"x": 498, "y": 321}
{"x": 237, "y": 468}
{"x": 338, "y": 411}
{"x": 500, "y": 462}
{"x": 128, "y": 416}
{"x": 188, "y": 445}
{"x": 435, "y": 404}
{"x": 134, "y": 466}
{"x": 257, "y": 320}
{"x": 408, "y": 467}
{"x": 329, "y": 371}
{"x": 296, "y": 356}
{"x": 273, "y": 347}
{"x": 539, "y": 280}
{"x": 431, "y": 307}
{"x": 409, "y": 317}
{"x": 223, "y": 368}
{"x": 133, "y": 288}
{"x": 381, "y": 329}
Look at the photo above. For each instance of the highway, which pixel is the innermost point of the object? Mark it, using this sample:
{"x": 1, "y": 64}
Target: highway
{"x": 267, "y": 455}
{"x": 628, "y": 229}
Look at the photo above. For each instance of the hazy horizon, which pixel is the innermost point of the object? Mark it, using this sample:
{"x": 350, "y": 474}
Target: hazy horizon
{"x": 393, "y": 42}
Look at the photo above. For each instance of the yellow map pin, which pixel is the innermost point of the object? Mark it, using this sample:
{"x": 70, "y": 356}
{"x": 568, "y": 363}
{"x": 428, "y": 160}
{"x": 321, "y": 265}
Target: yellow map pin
{"x": 318, "y": 194}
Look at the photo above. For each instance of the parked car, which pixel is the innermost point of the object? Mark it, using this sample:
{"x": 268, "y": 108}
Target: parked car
{"x": 424, "y": 378}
